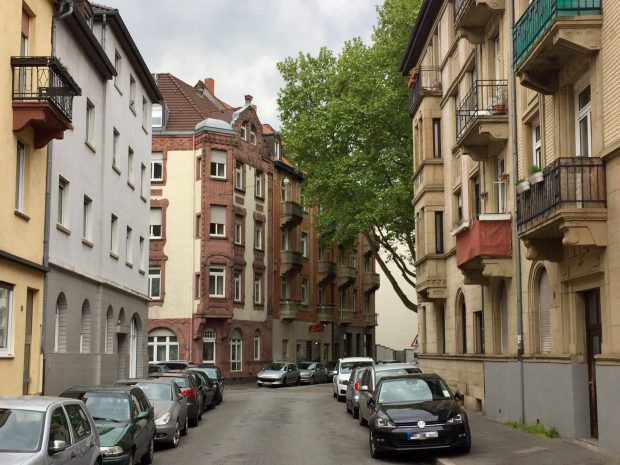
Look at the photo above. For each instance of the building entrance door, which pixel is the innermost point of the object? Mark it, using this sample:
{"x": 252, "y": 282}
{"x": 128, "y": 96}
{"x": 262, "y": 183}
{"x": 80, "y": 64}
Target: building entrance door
{"x": 593, "y": 346}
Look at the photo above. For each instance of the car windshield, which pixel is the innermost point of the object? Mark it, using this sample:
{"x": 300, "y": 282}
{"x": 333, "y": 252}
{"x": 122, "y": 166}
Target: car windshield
{"x": 347, "y": 367}
{"x": 306, "y": 366}
{"x": 104, "y": 406}
{"x": 156, "y": 391}
{"x": 413, "y": 390}
{"x": 20, "y": 430}
{"x": 210, "y": 372}
{"x": 275, "y": 366}
{"x": 395, "y": 372}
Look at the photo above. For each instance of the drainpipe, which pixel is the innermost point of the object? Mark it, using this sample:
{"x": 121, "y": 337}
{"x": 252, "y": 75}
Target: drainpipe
{"x": 191, "y": 336}
{"x": 512, "y": 87}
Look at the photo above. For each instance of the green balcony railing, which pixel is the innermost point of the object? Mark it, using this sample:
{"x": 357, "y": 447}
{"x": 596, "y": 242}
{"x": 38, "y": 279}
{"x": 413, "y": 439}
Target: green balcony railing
{"x": 539, "y": 16}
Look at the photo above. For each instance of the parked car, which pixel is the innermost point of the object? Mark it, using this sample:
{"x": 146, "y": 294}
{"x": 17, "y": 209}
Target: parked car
{"x": 344, "y": 367}
{"x": 169, "y": 404}
{"x": 370, "y": 379}
{"x": 215, "y": 375}
{"x": 278, "y": 374}
{"x": 331, "y": 370}
{"x": 190, "y": 389}
{"x": 171, "y": 364}
{"x": 353, "y": 395}
{"x": 207, "y": 388}
{"x": 312, "y": 372}
{"x": 413, "y": 412}
{"x": 38, "y": 430}
{"x": 125, "y": 421}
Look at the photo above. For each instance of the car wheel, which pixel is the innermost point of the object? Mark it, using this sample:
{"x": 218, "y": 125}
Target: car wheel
{"x": 193, "y": 421}
{"x": 356, "y": 412}
{"x": 185, "y": 426}
{"x": 130, "y": 461}
{"x": 374, "y": 452}
{"x": 148, "y": 457}
{"x": 341, "y": 398}
{"x": 347, "y": 406}
{"x": 466, "y": 448}
{"x": 177, "y": 436}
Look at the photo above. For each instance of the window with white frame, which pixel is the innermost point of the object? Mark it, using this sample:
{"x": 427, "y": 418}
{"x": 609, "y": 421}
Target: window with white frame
{"x": 142, "y": 254}
{"x": 238, "y": 230}
{"x": 114, "y": 234}
{"x": 237, "y": 286}
{"x": 252, "y": 136}
{"x": 157, "y": 116}
{"x": 130, "y": 172}
{"x": 20, "y": 177}
{"x": 155, "y": 282}
{"x": 243, "y": 131}
{"x": 256, "y": 345}
{"x": 157, "y": 166}
{"x": 6, "y": 316}
{"x": 129, "y": 246}
{"x": 236, "y": 350}
{"x": 258, "y": 294}
{"x": 258, "y": 235}
{"x": 305, "y": 291}
{"x": 218, "y": 164}
{"x": 156, "y": 223}
{"x": 208, "y": 346}
{"x": 217, "y": 275}
{"x": 583, "y": 112}
{"x": 304, "y": 244}
{"x": 90, "y": 123}
{"x": 116, "y": 136}
{"x": 284, "y": 287}
{"x": 217, "y": 224}
{"x": 285, "y": 190}
{"x": 87, "y": 219}
{"x": 536, "y": 145}
{"x": 284, "y": 235}
{"x": 277, "y": 149}
{"x": 132, "y": 93}
{"x": 238, "y": 175}
{"x": 163, "y": 345}
{"x": 258, "y": 185}
{"x": 63, "y": 202}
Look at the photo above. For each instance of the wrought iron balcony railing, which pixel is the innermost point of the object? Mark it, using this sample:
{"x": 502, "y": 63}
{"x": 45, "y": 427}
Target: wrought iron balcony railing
{"x": 428, "y": 80}
{"x": 538, "y": 17}
{"x": 45, "y": 80}
{"x": 485, "y": 98}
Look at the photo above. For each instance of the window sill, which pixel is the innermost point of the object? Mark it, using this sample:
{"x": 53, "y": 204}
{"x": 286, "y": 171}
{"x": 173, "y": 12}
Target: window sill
{"x": 218, "y": 178}
{"x": 144, "y": 199}
{"x": 22, "y": 215}
{"x": 145, "y": 130}
{"x": 240, "y": 190}
{"x": 156, "y": 300}
{"x": 132, "y": 109}
{"x": 239, "y": 244}
{"x": 259, "y": 197}
{"x": 256, "y": 249}
{"x": 63, "y": 229}
{"x": 90, "y": 146}
{"x": 87, "y": 243}
{"x": 116, "y": 168}
{"x": 217, "y": 297}
{"x": 7, "y": 356}
{"x": 131, "y": 185}
{"x": 129, "y": 264}
{"x": 213, "y": 236}
{"x": 114, "y": 255}
{"x": 153, "y": 238}
{"x": 141, "y": 271}
{"x": 157, "y": 182}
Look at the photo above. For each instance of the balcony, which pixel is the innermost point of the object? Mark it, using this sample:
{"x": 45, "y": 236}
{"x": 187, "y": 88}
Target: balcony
{"x": 290, "y": 261}
{"x": 471, "y": 17}
{"x": 289, "y": 309}
{"x": 429, "y": 178}
{"x": 482, "y": 119}
{"x": 326, "y": 313}
{"x": 568, "y": 208}
{"x": 326, "y": 270}
{"x": 291, "y": 213}
{"x": 431, "y": 278}
{"x": 370, "y": 319}
{"x": 346, "y": 316}
{"x": 427, "y": 82}
{"x": 551, "y": 33}
{"x": 371, "y": 281}
{"x": 484, "y": 249}
{"x": 346, "y": 275}
{"x": 43, "y": 92}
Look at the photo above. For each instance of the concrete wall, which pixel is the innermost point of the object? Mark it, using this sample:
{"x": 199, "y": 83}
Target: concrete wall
{"x": 502, "y": 392}
{"x": 297, "y": 332}
{"x": 607, "y": 381}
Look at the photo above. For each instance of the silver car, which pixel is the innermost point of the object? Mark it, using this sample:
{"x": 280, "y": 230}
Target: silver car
{"x": 36, "y": 430}
{"x": 353, "y": 394}
{"x": 312, "y": 372}
{"x": 278, "y": 374}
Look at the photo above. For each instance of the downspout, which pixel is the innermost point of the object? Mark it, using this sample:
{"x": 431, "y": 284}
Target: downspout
{"x": 191, "y": 336}
{"x": 103, "y": 29}
{"x": 516, "y": 245}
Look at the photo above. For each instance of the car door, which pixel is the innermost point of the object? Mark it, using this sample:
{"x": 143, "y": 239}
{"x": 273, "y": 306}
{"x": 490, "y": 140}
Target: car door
{"x": 182, "y": 401}
{"x": 364, "y": 395}
{"x": 83, "y": 434}
{"x": 59, "y": 430}
{"x": 146, "y": 406}
{"x": 141, "y": 437}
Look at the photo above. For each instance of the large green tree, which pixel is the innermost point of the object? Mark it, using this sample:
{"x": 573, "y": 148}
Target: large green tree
{"x": 345, "y": 123}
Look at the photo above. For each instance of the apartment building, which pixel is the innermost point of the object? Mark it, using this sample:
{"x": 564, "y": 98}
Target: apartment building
{"x": 98, "y": 220}
{"x": 525, "y": 328}
{"x": 323, "y": 296}
{"x": 37, "y": 92}
{"x": 211, "y": 256}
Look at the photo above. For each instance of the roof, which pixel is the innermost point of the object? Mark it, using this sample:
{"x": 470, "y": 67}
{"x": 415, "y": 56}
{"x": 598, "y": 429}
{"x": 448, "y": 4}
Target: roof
{"x": 419, "y": 34}
{"x": 268, "y": 129}
{"x": 356, "y": 359}
{"x": 37, "y": 403}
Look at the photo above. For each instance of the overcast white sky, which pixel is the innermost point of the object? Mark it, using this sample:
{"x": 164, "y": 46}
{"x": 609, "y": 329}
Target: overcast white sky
{"x": 239, "y": 42}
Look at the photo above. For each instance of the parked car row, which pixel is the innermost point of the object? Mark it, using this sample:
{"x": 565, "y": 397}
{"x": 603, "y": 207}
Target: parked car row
{"x": 287, "y": 373}
{"x": 117, "y": 424}
{"x": 404, "y": 409}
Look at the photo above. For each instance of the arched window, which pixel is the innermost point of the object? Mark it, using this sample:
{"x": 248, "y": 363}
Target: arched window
{"x": 60, "y": 324}
{"x": 461, "y": 324}
{"x": 134, "y": 345}
{"x": 503, "y": 319}
{"x": 285, "y": 189}
{"x": 85, "y": 328}
{"x": 544, "y": 316}
{"x": 109, "y": 331}
{"x": 163, "y": 345}
{"x": 236, "y": 350}
{"x": 208, "y": 346}
{"x": 256, "y": 345}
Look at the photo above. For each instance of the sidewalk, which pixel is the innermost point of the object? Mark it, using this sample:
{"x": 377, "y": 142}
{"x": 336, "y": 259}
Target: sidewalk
{"x": 496, "y": 444}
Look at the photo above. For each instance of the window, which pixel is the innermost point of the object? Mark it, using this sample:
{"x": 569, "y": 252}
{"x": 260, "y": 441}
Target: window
{"x": 115, "y": 141}
{"x": 85, "y": 328}
{"x": 208, "y": 346}
{"x": 501, "y": 184}
{"x": 277, "y": 149}
{"x": 90, "y": 123}
{"x": 479, "y": 332}
{"x": 258, "y": 185}
{"x": 239, "y": 175}
{"x": 60, "y": 431}
{"x": 218, "y": 164}
{"x": 157, "y": 116}
{"x": 163, "y": 345}
{"x": 132, "y": 94}
{"x": 143, "y": 180}
{"x": 155, "y": 282}
{"x": 284, "y": 234}
{"x": 304, "y": 244}
{"x": 321, "y": 252}
{"x": 156, "y": 223}
{"x": 439, "y": 232}
{"x": 63, "y": 202}
{"x": 354, "y": 260}
{"x": 198, "y": 168}
{"x": 243, "y": 131}
{"x": 6, "y": 316}
{"x": 305, "y": 291}
{"x": 321, "y": 295}
{"x": 20, "y": 177}
{"x": 458, "y": 201}
{"x": 237, "y": 286}
{"x": 197, "y": 232}
{"x": 217, "y": 226}
{"x": 440, "y": 321}
{"x": 252, "y": 136}
{"x": 461, "y": 323}
{"x": 238, "y": 230}
{"x": 583, "y": 127}
{"x": 368, "y": 262}
{"x": 114, "y": 235}
{"x": 284, "y": 288}
{"x": 284, "y": 349}
{"x": 236, "y": 349}
{"x": 216, "y": 282}
{"x": 257, "y": 345}
{"x": 142, "y": 254}
{"x": 436, "y": 138}
{"x": 354, "y": 300}
{"x": 157, "y": 166}
{"x": 258, "y": 295}
{"x": 79, "y": 421}
{"x": 197, "y": 286}
{"x": 87, "y": 219}
{"x": 544, "y": 314}
{"x": 118, "y": 62}
{"x": 536, "y": 146}
{"x": 23, "y": 50}
{"x": 145, "y": 107}
{"x": 258, "y": 235}
{"x": 285, "y": 189}
{"x": 129, "y": 246}
{"x": 130, "y": 173}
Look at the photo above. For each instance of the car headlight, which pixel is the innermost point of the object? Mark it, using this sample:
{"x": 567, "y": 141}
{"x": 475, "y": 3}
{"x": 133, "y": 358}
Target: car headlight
{"x": 456, "y": 419}
{"x": 162, "y": 419}
{"x": 111, "y": 450}
{"x": 383, "y": 422}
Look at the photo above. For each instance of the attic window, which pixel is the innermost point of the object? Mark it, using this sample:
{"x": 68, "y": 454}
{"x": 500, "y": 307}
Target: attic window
{"x": 252, "y": 136}
{"x": 243, "y": 131}
{"x": 156, "y": 116}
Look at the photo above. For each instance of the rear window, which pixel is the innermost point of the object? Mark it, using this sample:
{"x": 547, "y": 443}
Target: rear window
{"x": 347, "y": 367}
{"x": 182, "y": 382}
{"x": 156, "y": 391}
{"x": 396, "y": 372}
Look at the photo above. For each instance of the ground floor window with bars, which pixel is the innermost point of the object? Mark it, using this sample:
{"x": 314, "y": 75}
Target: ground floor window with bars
{"x": 163, "y": 345}
{"x": 236, "y": 349}
{"x": 208, "y": 346}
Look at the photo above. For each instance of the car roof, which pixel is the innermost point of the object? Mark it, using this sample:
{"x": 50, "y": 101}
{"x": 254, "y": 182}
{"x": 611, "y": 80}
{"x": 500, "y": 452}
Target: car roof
{"x": 36, "y": 403}
{"x": 356, "y": 359}
{"x": 132, "y": 381}
{"x": 171, "y": 374}
{"x": 109, "y": 388}
{"x": 410, "y": 376}
{"x": 203, "y": 365}
{"x": 395, "y": 366}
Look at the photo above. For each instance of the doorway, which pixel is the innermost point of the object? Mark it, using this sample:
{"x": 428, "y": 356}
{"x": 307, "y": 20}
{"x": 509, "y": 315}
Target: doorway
{"x": 592, "y": 300}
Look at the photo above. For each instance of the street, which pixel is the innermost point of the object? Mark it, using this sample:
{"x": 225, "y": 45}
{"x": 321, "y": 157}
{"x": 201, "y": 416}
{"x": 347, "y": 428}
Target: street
{"x": 271, "y": 426}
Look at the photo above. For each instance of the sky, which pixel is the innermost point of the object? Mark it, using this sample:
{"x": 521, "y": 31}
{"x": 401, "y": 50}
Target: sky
{"x": 239, "y": 42}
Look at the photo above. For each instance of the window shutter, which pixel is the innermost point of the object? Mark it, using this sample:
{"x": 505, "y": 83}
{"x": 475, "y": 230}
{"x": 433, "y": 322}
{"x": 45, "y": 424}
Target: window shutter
{"x": 157, "y": 156}
{"x": 156, "y": 216}
{"x": 544, "y": 314}
{"x": 217, "y": 156}
{"x": 218, "y": 214}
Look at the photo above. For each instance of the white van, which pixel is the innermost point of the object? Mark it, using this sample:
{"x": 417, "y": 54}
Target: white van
{"x": 343, "y": 371}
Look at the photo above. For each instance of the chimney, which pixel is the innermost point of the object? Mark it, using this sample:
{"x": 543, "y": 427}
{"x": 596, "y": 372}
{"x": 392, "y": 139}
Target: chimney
{"x": 210, "y": 85}
{"x": 248, "y": 99}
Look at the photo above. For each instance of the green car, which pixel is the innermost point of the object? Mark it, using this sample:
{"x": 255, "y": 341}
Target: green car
{"x": 125, "y": 422}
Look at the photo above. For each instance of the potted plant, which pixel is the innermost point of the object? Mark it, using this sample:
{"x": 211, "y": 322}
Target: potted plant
{"x": 499, "y": 108}
{"x": 536, "y": 174}
{"x": 522, "y": 185}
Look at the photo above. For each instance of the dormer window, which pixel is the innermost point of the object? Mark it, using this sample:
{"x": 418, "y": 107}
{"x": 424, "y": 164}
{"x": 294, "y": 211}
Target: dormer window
{"x": 157, "y": 116}
{"x": 252, "y": 136}
{"x": 243, "y": 131}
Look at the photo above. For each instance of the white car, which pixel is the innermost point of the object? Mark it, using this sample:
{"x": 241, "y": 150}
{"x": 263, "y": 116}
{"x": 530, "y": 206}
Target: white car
{"x": 343, "y": 372}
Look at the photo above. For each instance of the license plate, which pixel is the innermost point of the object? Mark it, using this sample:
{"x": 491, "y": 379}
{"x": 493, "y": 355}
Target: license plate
{"x": 420, "y": 436}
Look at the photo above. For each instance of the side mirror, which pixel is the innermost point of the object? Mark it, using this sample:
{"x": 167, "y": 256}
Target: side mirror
{"x": 459, "y": 397}
{"x": 363, "y": 389}
{"x": 57, "y": 446}
{"x": 143, "y": 415}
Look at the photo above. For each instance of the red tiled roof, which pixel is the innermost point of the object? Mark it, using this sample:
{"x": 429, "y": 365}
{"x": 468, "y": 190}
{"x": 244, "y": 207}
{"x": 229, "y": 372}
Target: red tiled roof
{"x": 267, "y": 129}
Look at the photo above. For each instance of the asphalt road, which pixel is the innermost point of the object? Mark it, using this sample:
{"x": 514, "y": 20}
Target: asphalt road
{"x": 298, "y": 425}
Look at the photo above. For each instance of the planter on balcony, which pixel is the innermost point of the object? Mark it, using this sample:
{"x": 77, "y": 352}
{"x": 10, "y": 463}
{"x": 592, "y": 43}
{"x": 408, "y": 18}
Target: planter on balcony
{"x": 523, "y": 186}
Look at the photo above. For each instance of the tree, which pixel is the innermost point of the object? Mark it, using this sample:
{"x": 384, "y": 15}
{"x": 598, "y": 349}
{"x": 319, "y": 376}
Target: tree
{"x": 345, "y": 123}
